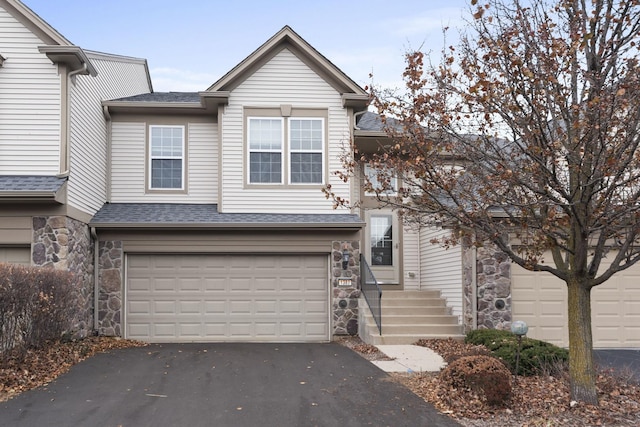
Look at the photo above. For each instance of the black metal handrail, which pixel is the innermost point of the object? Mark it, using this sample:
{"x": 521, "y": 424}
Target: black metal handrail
{"x": 372, "y": 292}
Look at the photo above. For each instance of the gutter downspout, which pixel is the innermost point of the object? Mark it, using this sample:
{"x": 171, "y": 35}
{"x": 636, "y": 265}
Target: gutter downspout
{"x": 70, "y": 77}
{"x": 355, "y": 117}
{"x": 474, "y": 286}
{"x": 107, "y": 117}
{"x": 96, "y": 277}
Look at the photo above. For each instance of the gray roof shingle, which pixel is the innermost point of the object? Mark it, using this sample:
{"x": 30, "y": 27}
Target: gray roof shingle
{"x": 370, "y": 121}
{"x": 166, "y": 214}
{"x": 30, "y": 183}
{"x": 163, "y": 97}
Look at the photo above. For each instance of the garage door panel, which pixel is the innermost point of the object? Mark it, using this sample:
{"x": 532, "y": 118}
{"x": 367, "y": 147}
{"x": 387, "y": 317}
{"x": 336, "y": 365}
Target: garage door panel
{"x": 266, "y": 307}
{"x": 540, "y": 299}
{"x": 228, "y": 297}
{"x": 15, "y": 255}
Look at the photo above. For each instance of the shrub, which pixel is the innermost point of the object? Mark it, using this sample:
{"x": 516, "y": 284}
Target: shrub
{"x": 36, "y": 305}
{"x": 484, "y": 375}
{"x": 535, "y": 357}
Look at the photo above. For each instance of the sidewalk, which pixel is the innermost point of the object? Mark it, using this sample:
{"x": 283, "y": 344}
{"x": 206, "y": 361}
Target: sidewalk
{"x": 409, "y": 358}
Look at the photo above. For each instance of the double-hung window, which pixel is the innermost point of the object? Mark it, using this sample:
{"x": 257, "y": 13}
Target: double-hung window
{"x": 305, "y": 150}
{"x": 286, "y": 150}
{"x": 265, "y": 150}
{"x": 381, "y": 180}
{"x": 166, "y": 157}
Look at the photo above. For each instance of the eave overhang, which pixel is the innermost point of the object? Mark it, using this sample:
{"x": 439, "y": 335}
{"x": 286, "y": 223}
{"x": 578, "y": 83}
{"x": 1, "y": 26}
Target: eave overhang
{"x": 58, "y": 196}
{"x": 72, "y": 56}
{"x": 358, "y": 102}
{"x": 208, "y": 105}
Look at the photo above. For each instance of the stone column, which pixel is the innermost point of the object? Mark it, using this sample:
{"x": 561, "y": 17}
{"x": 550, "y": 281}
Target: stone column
{"x": 345, "y": 298}
{"x": 494, "y": 288}
{"x": 110, "y": 288}
{"x": 65, "y": 244}
{"x": 468, "y": 290}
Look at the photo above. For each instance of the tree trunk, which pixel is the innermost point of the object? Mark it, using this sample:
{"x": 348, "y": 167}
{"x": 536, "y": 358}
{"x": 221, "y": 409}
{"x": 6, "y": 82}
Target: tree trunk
{"x": 581, "y": 369}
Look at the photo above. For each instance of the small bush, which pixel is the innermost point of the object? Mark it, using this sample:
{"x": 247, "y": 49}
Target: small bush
{"x": 36, "y": 305}
{"x": 535, "y": 357}
{"x": 484, "y": 375}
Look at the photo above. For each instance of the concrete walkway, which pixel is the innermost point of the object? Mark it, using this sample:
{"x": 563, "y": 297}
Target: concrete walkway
{"x": 409, "y": 358}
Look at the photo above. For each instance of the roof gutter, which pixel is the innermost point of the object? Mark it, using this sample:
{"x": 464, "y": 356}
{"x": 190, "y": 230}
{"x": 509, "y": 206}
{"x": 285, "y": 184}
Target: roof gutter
{"x": 228, "y": 226}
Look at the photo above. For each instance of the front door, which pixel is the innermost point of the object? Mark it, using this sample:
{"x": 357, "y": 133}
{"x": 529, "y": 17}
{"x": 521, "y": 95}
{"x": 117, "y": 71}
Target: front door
{"x": 382, "y": 247}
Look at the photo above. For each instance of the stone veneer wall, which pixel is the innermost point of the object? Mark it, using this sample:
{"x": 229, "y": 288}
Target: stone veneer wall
{"x": 345, "y": 299}
{"x": 65, "y": 244}
{"x": 494, "y": 288}
{"x": 468, "y": 259}
{"x": 110, "y": 288}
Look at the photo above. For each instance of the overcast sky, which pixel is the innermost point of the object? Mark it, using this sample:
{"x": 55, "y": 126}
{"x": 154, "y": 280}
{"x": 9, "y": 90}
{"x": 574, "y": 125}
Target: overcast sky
{"x": 189, "y": 44}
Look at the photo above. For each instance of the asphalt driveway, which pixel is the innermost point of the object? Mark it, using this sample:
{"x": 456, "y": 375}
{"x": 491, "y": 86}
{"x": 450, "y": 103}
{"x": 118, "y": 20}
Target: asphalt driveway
{"x": 223, "y": 385}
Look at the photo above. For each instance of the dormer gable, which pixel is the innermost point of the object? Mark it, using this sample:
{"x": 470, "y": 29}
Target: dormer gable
{"x": 352, "y": 94}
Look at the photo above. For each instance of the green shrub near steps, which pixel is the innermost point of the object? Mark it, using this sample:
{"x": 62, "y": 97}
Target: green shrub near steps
{"x": 535, "y": 356}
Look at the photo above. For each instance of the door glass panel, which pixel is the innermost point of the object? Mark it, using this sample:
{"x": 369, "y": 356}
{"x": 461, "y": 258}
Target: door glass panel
{"x": 381, "y": 240}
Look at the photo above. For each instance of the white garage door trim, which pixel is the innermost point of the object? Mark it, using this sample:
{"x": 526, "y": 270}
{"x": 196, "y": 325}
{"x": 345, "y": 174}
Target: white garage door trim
{"x": 540, "y": 299}
{"x": 222, "y": 297}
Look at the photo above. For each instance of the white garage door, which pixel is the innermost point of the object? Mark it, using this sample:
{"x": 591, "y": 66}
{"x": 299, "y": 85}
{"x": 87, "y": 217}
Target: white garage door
{"x": 540, "y": 299}
{"x": 15, "y": 255}
{"x": 173, "y": 298}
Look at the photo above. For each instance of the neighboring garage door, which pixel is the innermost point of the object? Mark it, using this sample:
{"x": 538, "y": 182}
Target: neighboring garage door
{"x": 182, "y": 298}
{"x": 15, "y": 255}
{"x": 540, "y": 299}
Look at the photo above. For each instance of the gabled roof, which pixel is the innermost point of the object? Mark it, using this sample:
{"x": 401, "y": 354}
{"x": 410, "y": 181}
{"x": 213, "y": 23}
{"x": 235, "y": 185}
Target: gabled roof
{"x": 353, "y": 94}
{"x": 57, "y": 47}
{"x": 45, "y": 31}
{"x": 32, "y": 188}
{"x": 167, "y": 215}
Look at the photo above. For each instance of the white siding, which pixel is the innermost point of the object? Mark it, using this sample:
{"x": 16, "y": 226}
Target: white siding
{"x": 411, "y": 258}
{"x": 440, "y": 268}
{"x": 285, "y": 79}
{"x": 128, "y": 165}
{"x": 88, "y": 129}
{"x": 29, "y": 104}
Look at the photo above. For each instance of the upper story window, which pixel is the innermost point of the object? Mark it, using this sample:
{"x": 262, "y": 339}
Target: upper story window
{"x": 306, "y": 141}
{"x": 166, "y": 157}
{"x": 381, "y": 180}
{"x": 265, "y": 150}
{"x": 286, "y": 150}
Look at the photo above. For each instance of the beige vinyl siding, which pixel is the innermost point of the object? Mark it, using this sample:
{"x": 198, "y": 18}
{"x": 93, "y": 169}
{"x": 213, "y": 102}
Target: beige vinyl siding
{"x": 440, "y": 268}
{"x": 29, "y": 103}
{"x": 15, "y": 229}
{"x": 284, "y": 79}
{"x": 411, "y": 258}
{"x": 128, "y": 165}
{"x": 88, "y": 129}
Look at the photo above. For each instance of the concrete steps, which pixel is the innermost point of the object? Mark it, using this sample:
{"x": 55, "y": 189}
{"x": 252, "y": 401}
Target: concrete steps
{"x": 408, "y": 316}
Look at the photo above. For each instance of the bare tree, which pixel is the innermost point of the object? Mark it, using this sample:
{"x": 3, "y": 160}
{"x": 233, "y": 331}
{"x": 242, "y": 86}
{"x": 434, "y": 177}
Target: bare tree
{"x": 529, "y": 128}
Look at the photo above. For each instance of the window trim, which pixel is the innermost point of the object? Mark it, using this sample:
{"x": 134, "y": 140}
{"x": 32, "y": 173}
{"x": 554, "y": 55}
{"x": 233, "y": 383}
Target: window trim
{"x": 150, "y": 158}
{"x": 285, "y": 112}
